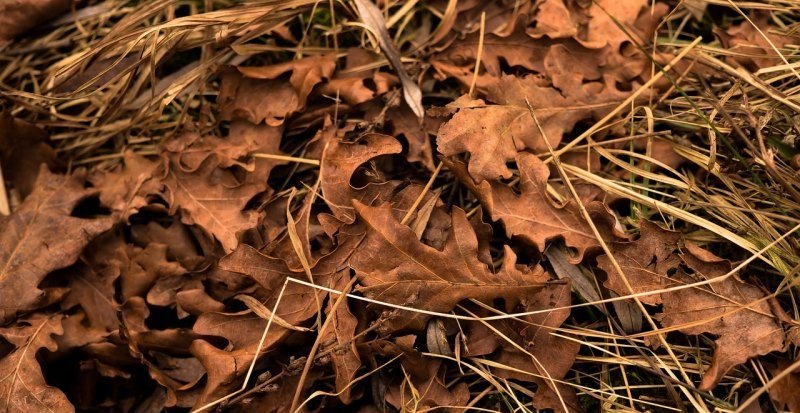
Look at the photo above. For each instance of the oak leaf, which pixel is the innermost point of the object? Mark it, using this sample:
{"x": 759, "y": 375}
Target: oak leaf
{"x": 395, "y": 267}
{"x": 340, "y": 338}
{"x": 731, "y": 309}
{"x": 359, "y": 81}
{"x": 126, "y": 189}
{"x": 406, "y": 123}
{"x": 94, "y": 292}
{"x": 340, "y": 161}
{"x": 547, "y": 357}
{"x": 22, "y": 386}
{"x": 784, "y": 391}
{"x": 752, "y": 47}
{"x": 23, "y": 148}
{"x": 534, "y": 217}
{"x": 259, "y": 94}
{"x": 207, "y": 193}
{"x": 431, "y": 388}
{"x": 158, "y": 351}
{"x": 645, "y": 262}
{"x": 42, "y": 236}
{"x": 243, "y": 330}
{"x": 493, "y": 134}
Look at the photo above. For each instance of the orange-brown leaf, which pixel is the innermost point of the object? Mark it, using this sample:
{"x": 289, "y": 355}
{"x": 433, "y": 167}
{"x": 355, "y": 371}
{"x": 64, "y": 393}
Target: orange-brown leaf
{"x": 23, "y": 388}
{"x": 396, "y": 267}
{"x": 42, "y": 236}
{"x": 534, "y": 217}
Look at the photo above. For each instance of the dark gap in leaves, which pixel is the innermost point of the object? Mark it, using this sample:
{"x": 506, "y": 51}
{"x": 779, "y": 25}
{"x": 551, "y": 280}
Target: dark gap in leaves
{"x": 89, "y": 207}
{"x": 79, "y": 376}
{"x": 162, "y": 318}
{"x": 623, "y": 86}
{"x": 514, "y": 70}
{"x": 5, "y": 347}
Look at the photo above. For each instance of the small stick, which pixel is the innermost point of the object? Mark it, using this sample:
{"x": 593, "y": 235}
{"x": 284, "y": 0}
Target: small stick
{"x": 479, "y": 55}
{"x": 314, "y": 162}
{"x": 422, "y": 195}
{"x": 5, "y": 209}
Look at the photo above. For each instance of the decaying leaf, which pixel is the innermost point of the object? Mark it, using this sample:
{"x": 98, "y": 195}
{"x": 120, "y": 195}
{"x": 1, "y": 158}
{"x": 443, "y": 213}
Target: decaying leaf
{"x": 729, "y": 308}
{"x": 493, "y": 134}
{"x": 732, "y": 310}
{"x": 784, "y": 391}
{"x": 42, "y": 236}
{"x": 298, "y": 189}
{"x": 261, "y": 94}
{"x": 19, "y": 16}
{"x": 751, "y": 48}
{"x": 534, "y": 217}
{"x": 23, "y": 148}
{"x": 340, "y": 161}
{"x": 396, "y": 267}
{"x": 125, "y": 190}
{"x": 342, "y": 343}
{"x": 645, "y": 263}
{"x": 207, "y": 193}
{"x": 22, "y": 387}
{"x": 427, "y": 389}
{"x": 546, "y": 358}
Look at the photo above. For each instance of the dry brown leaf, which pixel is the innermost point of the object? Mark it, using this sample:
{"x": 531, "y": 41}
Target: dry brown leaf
{"x": 372, "y": 17}
{"x": 731, "y": 309}
{"x": 534, "y": 217}
{"x": 141, "y": 268}
{"x": 19, "y": 16}
{"x": 752, "y": 330}
{"x": 125, "y": 190}
{"x": 261, "y": 94}
{"x": 23, "y": 389}
{"x": 358, "y": 82}
{"x": 208, "y": 194}
{"x": 406, "y": 123}
{"x": 645, "y": 263}
{"x": 558, "y": 19}
{"x": 750, "y": 48}
{"x": 181, "y": 244}
{"x": 23, "y": 148}
{"x": 430, "y": 388}
{"x": 784, "y": 391}
{"x": 156, "y": 349}
{"x": 493, "y": 134}
{"x": 94, "y": 292}
{"x": 42, "y": 236}
{"x": 548, "y": 357}
{"x": 340, "y": 161}
{"x": 297, "y": 306}
{"x": 340, "y": 338}
{"x": 397, "y": 268}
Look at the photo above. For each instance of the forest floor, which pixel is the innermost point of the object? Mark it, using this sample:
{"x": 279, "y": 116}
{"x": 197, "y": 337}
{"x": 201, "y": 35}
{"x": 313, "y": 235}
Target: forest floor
{"x": 378, "y": 206}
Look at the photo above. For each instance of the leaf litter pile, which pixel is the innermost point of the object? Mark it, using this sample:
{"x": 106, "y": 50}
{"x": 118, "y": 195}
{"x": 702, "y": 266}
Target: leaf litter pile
{"x": 301, "y": 206}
